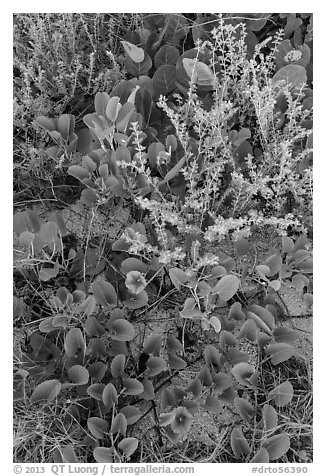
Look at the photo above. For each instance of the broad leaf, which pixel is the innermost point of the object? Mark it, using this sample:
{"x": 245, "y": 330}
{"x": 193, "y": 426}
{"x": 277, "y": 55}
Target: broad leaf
{"x": 277, "y": 446}
{"x": 199, "y": 72}
{"x": 164, "y": 79}
{"x": 96, "y": 391}
{"x": 112, "y": 109}
{"x": 294, "y": 75}
{"x": 104, "y": 293}
{"x": 74, "y": 343}
{"x": 78, "y": 172}
{"x": 97, "y": 426}
{"x": 175, "y": 362}
{"x": 132, "y": 386}
{"x": 118, "y": 365}
{"x": 282, "y": 394}
{"x": 166, "y": 55}
{"x": 131, "y": 413}
{"x": 261, "y": 456}
{"x": 103, "y": 455}
{"x": 212, "y": 356}
{"x": 46, "y": 391}
{"x": 239, "y": 444}
{"x": 154, "y": 344}
{"x": 178, "y": 277}
{"x": 109, "y": 396}
{"x": 128, "y": 446}
{"x": 280, "y": 352}
{"x": 244, "y": 408}
{"x": 135, "y": 53}
{"x": 155, "y": 365}
{"x": 119, "y": 424}
{"x": 78, "y": 374}
{"x": 133, "y": 264}
{"x": 227, "y": 287}
{"x": 270, "y": 419}
{"x": 212, "y": 404}
{"x": 135, "y": 301}
{"x": 284, "y": 334}
{"x": 122, "y": 330}
{"x": 274, "y": 263}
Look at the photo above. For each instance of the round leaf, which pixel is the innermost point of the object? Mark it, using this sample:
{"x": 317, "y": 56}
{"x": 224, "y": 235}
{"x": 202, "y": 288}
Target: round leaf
{"x": 270, "y": 418}
{"x": 166, "y": 55}
{"x": 239, "y": 444}
{"x": 128, "y": 446}
{"x": 96, "y": 391}
{"x": 74, "y": 342}
{"x": 133, "y": 264}
{"x": 78, "y": 172}
{"x": 97, "y": 426}
{"x": 132, "y": 414}
{"x": 280, "y": 352}
{"x": 46, "y": 391}
{"x": 103, "y": 455}
{"x": 198, "y": 71}
{"x": 119, "y": 424}
{"x": 104, "y": 293}
{"x": 109, "y": 395}
{"x": 178, "y": 277}
{"x": 282, "y": 394}
{"x": 164, "y": 79}
{"x": 132, "y": 386}
{"x": 122, "y": 330}
{"x": 118, "y": 365}
{"x": 244, "y": 408}
{"x": 294, "y": 75}
{"x": 135, "y": 301}
{"x": 277, "y": 446}
{"x": 153, "y": 344}
{"x": 155, "y": 366}
{"x": 227, "y": 287}
{"x": 135, "y": 53}
{"x": 78, "y": 374}
{"x": 261, "y": 456}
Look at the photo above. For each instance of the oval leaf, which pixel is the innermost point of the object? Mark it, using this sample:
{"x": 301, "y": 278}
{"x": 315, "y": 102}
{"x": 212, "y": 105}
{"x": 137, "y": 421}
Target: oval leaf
{"x": 103, "y": 455}
{"x": 277, "y": 446}
{"x": 74, "y": 342}
{"x": 118, "y": 365}
{"x": 122, "y": 330}
{"x": 46, "y": 391}
{"x": 132, "y": 386}
{"x": 97, "y": 426}
{"x": 119, "y": 424}
{"x": 164, "y": 79}
{"x": 261, "y": 456}
{"x": 280, "y": 352}
{"x": 199, "y": 72}
{"x": 128, "y": 446}
{"x": 282, "y": 394}
{"x": 178, "y": 277}
{"x": 294, "y": 75}
{"x": 239, "y": 444}
{"x": 227, "y": 287}
{"x": 104, "y": 293}
{"x": 78, "y": 375}
{"x": 109, "y": 395}
{"x": 132, "y": 414}
{"x": 135, "y": 53}
{"x": 166, "y": 55}
{"x": 155, "y": 365}
{"x": 244, "y": 408}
